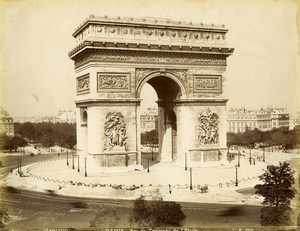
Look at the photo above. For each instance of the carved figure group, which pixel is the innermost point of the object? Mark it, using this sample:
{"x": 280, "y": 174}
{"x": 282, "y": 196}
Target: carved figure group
{"x": 206, "y": 83}
{"x": 108, "y": 82}
{"x": 208, "y": 128}
{"x": 115, "y": 131}
{"x": 83, "y": 84}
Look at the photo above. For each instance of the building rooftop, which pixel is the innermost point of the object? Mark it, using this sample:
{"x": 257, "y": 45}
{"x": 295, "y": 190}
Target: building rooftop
{"x": 3, "y": 113}
{"x": 148, "y": 21}
{"x": 155, "y": 34}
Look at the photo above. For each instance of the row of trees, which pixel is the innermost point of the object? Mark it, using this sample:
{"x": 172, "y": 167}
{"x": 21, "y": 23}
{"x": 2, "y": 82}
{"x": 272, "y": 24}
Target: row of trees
{"x": 11, "y": 143}
{"x": 288, "y": 139}
{"x": 49, "y": 134}
{"x": 150, "y": 137}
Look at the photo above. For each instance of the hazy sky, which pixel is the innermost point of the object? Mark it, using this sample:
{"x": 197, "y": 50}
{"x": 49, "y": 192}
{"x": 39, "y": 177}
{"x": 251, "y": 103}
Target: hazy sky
{"x": 38, "y": 78}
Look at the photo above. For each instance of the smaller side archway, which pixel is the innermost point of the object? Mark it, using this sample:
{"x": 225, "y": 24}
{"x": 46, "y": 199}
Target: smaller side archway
{"x": 84, "y": 117}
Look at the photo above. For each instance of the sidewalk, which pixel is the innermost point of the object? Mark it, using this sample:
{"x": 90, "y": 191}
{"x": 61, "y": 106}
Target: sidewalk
{"x": 172, "y": 182}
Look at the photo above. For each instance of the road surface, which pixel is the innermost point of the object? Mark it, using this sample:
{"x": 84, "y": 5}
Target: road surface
{"x": 29, "y": 209}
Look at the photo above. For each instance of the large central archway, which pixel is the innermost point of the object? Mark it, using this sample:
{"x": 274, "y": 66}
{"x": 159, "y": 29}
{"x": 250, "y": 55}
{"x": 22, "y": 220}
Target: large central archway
{"x": 185, "y": 63}
{"x": 168, "y": 89}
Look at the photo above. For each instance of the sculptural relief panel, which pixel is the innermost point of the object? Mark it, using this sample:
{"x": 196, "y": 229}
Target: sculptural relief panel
{"x": 208, "y": 83}
{"x": 141, "y": 73}
{"x": 113, "y": 82}
{"x": 83, "y": 84}
{"x": 208, "y": 130}
{"x": 115, "y": 132}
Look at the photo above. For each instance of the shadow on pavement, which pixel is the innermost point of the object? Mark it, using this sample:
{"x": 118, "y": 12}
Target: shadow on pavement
{"x": 232, "y": 211}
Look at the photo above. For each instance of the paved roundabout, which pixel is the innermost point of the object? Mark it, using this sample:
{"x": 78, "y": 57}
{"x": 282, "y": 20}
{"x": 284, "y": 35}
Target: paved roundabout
{"x": 172, "y": 182}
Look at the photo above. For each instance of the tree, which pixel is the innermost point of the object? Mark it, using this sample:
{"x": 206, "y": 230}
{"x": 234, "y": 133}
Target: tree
{"x": 11, "y": 143}
{"x": 149, "y": 137}
{"x": 278, "y": 192}
{"x": 156, "y": 213}
{"x": 286, "y": 138}
{"x": 105, "y": 218}
{"x": 63, "y": 134}
{"x": 4, "y": 217}
{"x": 277, "y": 137}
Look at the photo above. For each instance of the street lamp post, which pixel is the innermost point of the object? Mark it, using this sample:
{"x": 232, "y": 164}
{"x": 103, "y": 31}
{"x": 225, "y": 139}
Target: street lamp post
{"x": 250, "y": 159}
{"x": 239, "y": 156}
{"x": 191, "y": 183}
{"x": 236, "y": 176}
{"x": 228, "y": 153}
{"x": 272, "y": 146}
{"x": 148, "y": 169}
{"x": 67, "y": 158}
{"x": 264, "y": 156}
{"x": 18, "y": 165}
{"x": 73, "y": 167}
{"x": 78, "y": 170}
{"x": 85, "y": 173}
{"x": 152, "y": 153}
{"x": 185, "y": 162}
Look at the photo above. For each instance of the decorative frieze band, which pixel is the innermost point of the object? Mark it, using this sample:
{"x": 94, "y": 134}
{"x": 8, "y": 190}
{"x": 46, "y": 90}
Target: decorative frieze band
{"x": 208, "y": 83}
{"x": 83, "y": 84}
{"x": 113, "y": 82}
{"x": 150, "y": 58}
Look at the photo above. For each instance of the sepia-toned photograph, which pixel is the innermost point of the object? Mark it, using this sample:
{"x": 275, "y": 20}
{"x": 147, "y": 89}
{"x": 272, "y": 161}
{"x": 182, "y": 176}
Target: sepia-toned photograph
{"x": 149, "y": 115}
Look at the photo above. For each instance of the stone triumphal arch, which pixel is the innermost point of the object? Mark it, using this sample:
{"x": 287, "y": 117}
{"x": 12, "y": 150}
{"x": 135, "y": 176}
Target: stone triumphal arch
{"x": 184, "y": 62}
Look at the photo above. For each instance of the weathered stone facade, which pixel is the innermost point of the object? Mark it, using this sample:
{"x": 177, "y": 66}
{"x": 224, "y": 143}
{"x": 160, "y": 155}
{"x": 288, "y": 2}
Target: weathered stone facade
{"x": 183, "y": 62}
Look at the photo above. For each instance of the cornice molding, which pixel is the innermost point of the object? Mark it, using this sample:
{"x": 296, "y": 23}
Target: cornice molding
{"x": 108, "y": 102}
{"x": 196, "y": 102}
{"x": 143, "y": 47}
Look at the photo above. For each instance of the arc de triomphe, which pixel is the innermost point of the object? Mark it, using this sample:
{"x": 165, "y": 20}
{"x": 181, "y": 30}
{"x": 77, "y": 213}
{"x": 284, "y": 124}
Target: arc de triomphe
{"x": 184, "y": 62}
